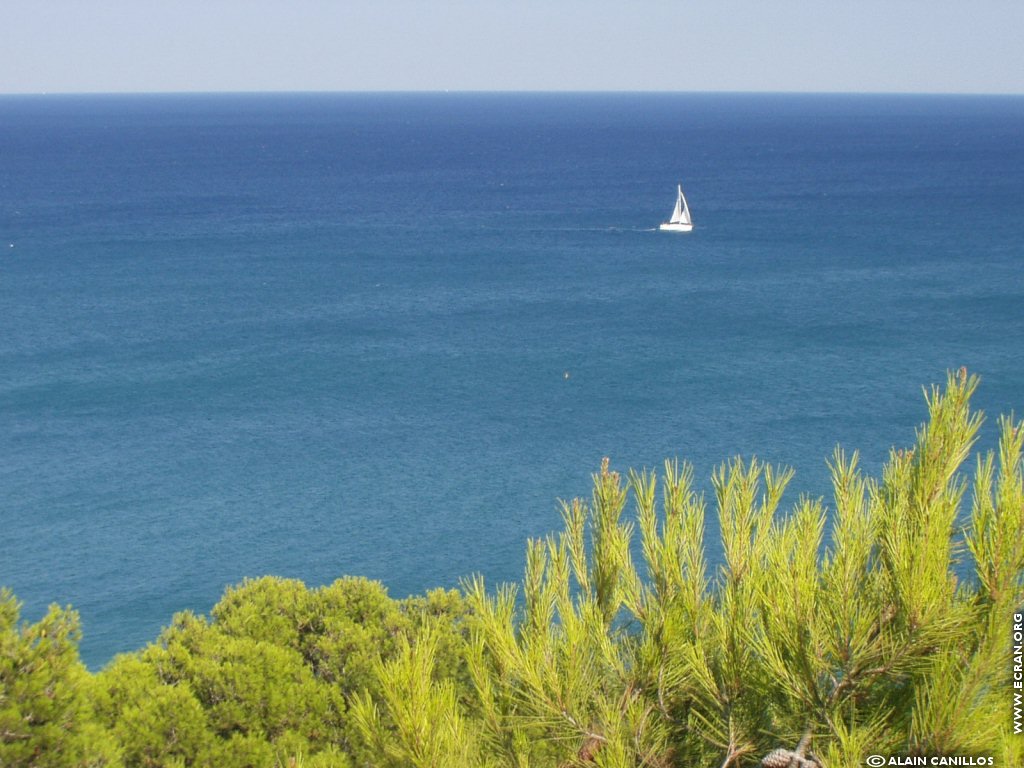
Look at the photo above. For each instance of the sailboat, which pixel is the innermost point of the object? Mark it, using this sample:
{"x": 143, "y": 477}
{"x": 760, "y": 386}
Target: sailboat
{"x": 680, "y": 221}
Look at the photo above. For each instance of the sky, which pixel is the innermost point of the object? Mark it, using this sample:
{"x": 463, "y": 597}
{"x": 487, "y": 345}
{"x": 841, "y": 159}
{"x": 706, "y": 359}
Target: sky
{"x": 926, "y": 46}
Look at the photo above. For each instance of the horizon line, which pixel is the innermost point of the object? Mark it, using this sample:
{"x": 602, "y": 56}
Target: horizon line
{"x": 509, "y": 91}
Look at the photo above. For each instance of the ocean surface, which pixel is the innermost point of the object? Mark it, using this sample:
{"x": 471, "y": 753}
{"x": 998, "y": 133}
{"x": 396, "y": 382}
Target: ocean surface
{"x": 381, "y": 335}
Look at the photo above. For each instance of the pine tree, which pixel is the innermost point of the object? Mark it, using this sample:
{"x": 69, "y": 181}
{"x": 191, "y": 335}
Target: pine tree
{"x": 888, "y": 635}
{"x": 45, "y": 715}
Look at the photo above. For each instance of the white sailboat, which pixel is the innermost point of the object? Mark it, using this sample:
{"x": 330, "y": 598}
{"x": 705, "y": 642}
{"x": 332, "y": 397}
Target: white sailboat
{"x": 680, "y": 221}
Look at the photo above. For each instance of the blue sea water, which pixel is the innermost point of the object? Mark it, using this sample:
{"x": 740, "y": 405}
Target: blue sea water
{"x": 317, "y": 335}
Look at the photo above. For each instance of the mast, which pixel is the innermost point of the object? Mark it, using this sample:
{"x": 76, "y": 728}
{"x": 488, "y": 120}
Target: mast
{"x": 677, "y": 213}
{"x": 683, "y": 209}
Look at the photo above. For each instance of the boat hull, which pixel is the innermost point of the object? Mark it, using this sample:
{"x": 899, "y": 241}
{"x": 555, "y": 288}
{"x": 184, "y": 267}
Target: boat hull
{"x": 667, "y": 227}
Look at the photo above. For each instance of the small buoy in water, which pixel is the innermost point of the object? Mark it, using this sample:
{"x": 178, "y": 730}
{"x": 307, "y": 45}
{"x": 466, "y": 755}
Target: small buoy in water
{"x": 565, "y": 375}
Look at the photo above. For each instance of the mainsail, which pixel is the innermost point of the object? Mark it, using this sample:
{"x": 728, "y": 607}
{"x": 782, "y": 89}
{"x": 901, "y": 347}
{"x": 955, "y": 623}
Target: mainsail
{"x": 681, "y": 214}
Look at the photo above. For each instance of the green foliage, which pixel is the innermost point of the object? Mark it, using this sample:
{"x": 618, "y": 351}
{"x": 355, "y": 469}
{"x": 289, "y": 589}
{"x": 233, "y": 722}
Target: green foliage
{"x": 868, "y": 640}
{"x": 155, "y": 724}
{"x": 425, "y": 728}
{"x": 267, "y": 680}
{"x": 878, "y": 623}
{"x": 45, "y": 719}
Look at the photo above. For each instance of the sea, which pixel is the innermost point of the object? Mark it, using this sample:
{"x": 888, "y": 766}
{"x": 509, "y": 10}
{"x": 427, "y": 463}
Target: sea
{"x": 382, "y": 335}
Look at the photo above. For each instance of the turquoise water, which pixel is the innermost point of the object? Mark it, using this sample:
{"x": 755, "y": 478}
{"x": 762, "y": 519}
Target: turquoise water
{"x": 323, "y": 335}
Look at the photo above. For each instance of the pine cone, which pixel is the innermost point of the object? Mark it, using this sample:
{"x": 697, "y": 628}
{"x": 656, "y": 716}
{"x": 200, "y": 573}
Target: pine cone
{"x": 589, "y": 750}
{"x": 786, "y": 758}
{"x": 778, "y": 758}
{"x": 586, "y": 754}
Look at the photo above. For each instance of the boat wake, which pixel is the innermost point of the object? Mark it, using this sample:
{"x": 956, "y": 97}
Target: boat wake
{"x": 597, "y": 229}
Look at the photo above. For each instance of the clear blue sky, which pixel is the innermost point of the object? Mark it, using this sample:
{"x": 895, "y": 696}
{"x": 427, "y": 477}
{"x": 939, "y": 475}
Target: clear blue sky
{"x": 966, "y": 46}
